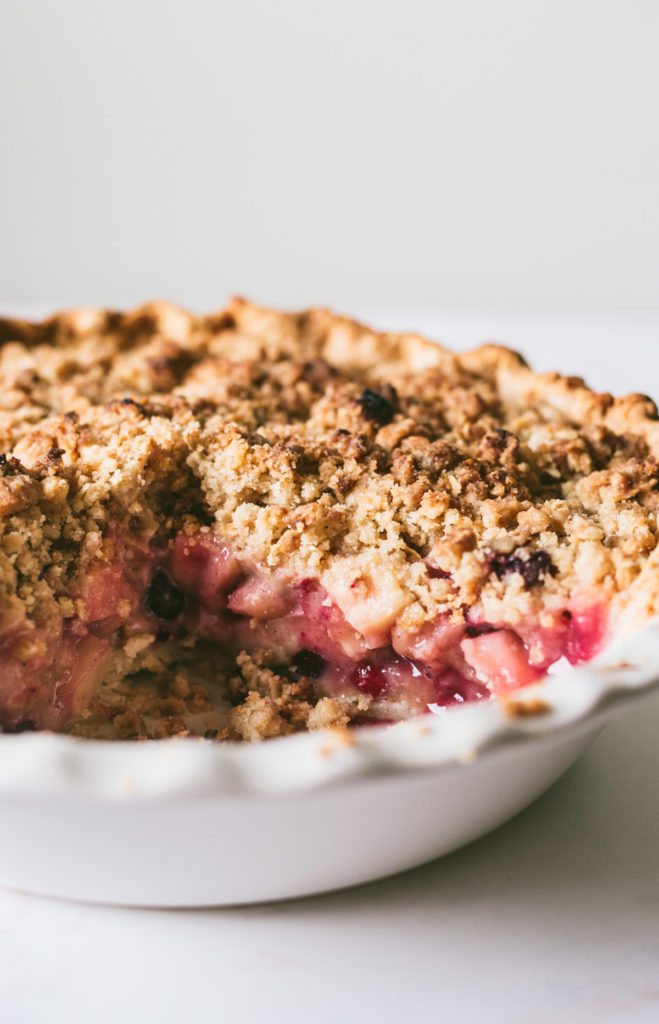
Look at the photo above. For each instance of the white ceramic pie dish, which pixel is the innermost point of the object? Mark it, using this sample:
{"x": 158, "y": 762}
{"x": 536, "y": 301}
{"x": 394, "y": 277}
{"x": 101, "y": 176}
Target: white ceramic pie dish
{"x": 195, "y": 823}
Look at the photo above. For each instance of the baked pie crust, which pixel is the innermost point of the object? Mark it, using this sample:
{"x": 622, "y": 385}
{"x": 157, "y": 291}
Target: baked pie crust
{"x": 250, "y": 523}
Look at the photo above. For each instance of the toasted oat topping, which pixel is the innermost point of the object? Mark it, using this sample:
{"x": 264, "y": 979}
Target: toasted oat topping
{"x": 435, "y": 479}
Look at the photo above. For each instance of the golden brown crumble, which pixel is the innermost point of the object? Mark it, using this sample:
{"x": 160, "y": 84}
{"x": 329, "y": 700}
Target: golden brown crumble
{"x": 323, "y": 449}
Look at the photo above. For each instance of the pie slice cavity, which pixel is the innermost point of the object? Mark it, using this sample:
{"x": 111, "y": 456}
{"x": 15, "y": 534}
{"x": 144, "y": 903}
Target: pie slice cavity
{"x": 252, "y": 523}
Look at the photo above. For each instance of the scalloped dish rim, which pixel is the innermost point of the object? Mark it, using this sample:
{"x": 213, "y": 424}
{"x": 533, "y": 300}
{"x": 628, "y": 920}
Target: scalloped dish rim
{"x": 52, "y": 764}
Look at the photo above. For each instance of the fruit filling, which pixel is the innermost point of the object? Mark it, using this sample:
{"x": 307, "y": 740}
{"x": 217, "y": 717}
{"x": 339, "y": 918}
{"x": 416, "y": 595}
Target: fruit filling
{"x": 151, "y": 600}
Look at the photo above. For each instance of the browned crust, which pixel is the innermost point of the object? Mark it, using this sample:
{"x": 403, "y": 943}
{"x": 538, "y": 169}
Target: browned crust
{"x": 344, "y": 343}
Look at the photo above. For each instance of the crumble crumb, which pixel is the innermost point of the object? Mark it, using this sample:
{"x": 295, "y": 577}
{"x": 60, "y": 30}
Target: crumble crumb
{"x": 129, "y": 725}
{"x": 258, "y": 718}
{"x": 327, "y": 714}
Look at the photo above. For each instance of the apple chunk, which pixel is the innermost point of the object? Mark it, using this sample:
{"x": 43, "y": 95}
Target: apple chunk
{"x": 370, "y": 601}
{"x": 501, "y": 660}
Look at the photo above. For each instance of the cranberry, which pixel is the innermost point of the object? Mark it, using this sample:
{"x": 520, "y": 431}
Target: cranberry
{"x": 454, "y": 688}
{"x": 307, "y": 665}
{"x": 379, "y": 405}
{"x": 435, "y": 573}
{"x": 163, "y": 598}
{"x": 369, "y": 678}
{"x": 532, "y": 568}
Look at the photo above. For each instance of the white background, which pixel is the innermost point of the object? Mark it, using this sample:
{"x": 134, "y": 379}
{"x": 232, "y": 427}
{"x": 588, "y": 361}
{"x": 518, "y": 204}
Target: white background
{"x": 430, "y": 153}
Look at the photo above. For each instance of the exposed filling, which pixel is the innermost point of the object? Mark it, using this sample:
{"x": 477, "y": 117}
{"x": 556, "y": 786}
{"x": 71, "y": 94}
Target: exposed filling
{"x": 148, "y": 604}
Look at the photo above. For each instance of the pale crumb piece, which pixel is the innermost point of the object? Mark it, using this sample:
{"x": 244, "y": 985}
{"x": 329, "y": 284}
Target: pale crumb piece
{"x": 525, "y": 708}
{"x": 138, "y": 643}
{"x": 258, "y": 718}
{"x": 327, "y": 714}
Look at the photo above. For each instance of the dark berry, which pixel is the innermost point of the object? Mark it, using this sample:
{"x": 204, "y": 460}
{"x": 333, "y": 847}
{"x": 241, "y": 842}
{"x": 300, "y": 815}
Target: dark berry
{"x": 534, "y": 567}
{"x": 380, "y": 405}
{"x": 25, "y": 726}
{"x": 435, "y": 573}
{"x": 163, "y": 598}
{"x": 307, "y": 665}
{"x": 479, "y": 630}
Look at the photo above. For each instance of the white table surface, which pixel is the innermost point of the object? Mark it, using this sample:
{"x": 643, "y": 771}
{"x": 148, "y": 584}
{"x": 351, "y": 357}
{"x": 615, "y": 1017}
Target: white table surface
{"x": 553, "y": 917}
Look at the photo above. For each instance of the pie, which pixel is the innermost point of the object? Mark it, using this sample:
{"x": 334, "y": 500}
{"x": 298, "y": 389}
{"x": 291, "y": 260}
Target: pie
{"x": 252, "y": 523}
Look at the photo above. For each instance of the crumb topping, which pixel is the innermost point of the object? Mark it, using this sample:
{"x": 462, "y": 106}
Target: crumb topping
{"x": 312, "y": 440}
